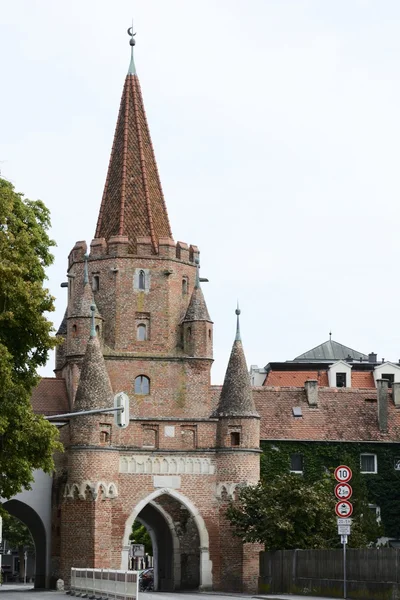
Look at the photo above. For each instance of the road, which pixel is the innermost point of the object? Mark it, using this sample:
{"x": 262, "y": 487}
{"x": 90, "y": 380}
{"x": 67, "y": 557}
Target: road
{"x": 21, "y": 592}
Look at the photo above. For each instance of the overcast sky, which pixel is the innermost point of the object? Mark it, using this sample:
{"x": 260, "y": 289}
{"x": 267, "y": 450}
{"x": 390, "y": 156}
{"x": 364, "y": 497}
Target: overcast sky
{"x": 276, "y": 127}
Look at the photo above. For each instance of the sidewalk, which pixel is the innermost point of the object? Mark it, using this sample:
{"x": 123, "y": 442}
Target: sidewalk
{"x": 291, "y": 597}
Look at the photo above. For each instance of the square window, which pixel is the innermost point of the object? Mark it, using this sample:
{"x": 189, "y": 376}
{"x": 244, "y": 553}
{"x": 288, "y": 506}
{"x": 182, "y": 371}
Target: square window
{"x": 235, "y": 438}
{"x": 296, "y": 463}
{"x": 368, "y": 463}
{"x": 341, "y": 380}
{"x": 376, "y": 511}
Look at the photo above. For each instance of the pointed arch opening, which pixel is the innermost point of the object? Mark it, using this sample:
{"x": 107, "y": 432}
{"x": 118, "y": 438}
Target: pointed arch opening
{"x": 29, "y": 517}
{"x": 180, "y": 541}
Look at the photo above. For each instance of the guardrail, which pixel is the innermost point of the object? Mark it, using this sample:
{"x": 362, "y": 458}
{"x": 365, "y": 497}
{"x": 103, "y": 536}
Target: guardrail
{"x": 106, "y": 584}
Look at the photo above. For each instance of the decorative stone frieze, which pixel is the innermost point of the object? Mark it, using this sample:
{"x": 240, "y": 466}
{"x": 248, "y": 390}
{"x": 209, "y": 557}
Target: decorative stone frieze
{"x": 159, "y": 465}
{"x": 227, "y": 490}
{"x": 88, "y": 490}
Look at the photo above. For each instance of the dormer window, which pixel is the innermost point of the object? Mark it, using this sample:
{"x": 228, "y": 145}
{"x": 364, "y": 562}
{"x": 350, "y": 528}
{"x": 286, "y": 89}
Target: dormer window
{"x": 142, "y": 280}
{"x": 339, "y": 374}
{"x": 389, "y": 377}
{"x": 341, "y": 380}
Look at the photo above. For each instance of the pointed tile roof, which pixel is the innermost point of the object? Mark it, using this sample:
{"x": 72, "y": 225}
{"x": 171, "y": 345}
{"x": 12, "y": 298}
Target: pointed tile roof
{"x": 197, "y": 309}
{"x": 236, "y": 399}
{"x": 94, "y": 389}
{"x": 62, "y": 330}
{"x": 133, "y": 202}
{"x": 330, "y": 351}
{"x": 83, "y": 297}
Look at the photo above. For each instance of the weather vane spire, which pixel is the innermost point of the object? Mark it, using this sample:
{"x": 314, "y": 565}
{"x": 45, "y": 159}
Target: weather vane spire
{"x": 237, "y": 311}
{"x": 92, "y": 321}
{"x": 132, "y": 42}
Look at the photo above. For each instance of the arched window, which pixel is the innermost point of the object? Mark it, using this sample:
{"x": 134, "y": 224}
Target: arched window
{"x": 184, "y": 286}
{"x": 98, "y": 330}
{"x": 142, "y": 280}
{"x": 74, "y": 330}
{"x": 142, "y": 385}
{"x": 141, "y": 334}
{"x": 188, "y": 333}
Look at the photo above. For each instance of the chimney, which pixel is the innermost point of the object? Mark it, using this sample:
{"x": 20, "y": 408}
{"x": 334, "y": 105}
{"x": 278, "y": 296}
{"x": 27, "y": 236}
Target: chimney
{"x": 396, "y": 393}
{"x": 311, "y": 387}
{"x": 382, "y": 391}
{"x": 372, "y": 357}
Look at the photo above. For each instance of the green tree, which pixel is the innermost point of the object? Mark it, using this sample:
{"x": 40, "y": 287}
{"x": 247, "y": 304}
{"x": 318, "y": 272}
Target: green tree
{"x": 140, "y": 535}
{"x": 27, "y": 440}
{"x": 18, "y": 537}
{"x": 289, "y": 512}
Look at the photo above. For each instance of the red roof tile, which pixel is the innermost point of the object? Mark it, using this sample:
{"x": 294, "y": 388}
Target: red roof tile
{"x": 50, "y": 397}
{"x": 295, "y": 378}
{"x": 133, "y": 202}
{"x": 362, "y": 379}
{"x": 342, "y": 414}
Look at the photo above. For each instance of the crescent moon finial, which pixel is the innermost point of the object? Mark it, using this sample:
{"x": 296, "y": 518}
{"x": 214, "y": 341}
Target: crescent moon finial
{"x": 132, "y": 42}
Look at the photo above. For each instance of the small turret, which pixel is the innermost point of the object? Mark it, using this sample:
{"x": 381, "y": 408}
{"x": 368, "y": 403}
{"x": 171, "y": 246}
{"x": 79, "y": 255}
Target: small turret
{"x": 94, "y": 389}
{"x": 61, "y": 347}
{"x": 78, "y": 320}
{"x": 239, "y": 421}
{"x": 236, "y": 398}
{"x": 197, "y": 325}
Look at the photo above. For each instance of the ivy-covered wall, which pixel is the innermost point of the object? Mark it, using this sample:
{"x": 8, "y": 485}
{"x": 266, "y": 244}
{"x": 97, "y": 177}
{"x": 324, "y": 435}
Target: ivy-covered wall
{"x": 382, "y": 488}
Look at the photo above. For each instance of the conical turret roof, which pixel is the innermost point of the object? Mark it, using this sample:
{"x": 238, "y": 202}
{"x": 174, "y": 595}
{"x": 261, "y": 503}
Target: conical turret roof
{"x": 83, "y": 297}
{"x": 62, "y": 330}
{"x": 236, "y": 398}
{"x": 133, "y": 202}
{"x": 197, "y": 309}
{"x": 94, "y": 389}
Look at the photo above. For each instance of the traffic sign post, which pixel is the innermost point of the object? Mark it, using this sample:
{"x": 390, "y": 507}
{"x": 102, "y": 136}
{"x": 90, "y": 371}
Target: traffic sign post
{"x": 343, "y": 509}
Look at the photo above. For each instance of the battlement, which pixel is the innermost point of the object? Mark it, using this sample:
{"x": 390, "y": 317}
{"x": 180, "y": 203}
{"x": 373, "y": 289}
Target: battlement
{"x": 118, "y": 246}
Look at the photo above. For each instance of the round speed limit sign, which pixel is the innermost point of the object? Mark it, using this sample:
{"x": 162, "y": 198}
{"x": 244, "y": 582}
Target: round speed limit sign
{"x": 343, "y": 474}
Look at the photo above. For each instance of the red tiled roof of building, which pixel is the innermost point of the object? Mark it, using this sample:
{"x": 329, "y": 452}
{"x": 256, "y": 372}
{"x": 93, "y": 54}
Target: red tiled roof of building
{"x": 362, "y": 379}
{"x": 342, "y": 414}
{"x": 295, "y": 378}
{"x": 359, "y": 379}
{"x": 50, "y": 396}
{"x": 133, "y": 202}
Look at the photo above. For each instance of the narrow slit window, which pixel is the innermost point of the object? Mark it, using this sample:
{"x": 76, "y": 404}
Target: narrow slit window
{"x": 184, "y": 286}
{"x": 96, "y": 283}
{"x": 142, "y": 280}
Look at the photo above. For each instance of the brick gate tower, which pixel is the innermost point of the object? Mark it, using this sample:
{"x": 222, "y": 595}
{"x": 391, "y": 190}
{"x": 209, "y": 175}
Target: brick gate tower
{"x": 137, "y": 322}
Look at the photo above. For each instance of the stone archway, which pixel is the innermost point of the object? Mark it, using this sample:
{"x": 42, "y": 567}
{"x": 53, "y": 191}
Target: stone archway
{"x": 182, "y": 557}
{"x": 27, "y": 515}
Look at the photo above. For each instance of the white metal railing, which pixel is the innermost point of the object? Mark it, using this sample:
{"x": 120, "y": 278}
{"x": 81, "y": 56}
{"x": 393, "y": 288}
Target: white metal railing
{"x": 105, "y": 583}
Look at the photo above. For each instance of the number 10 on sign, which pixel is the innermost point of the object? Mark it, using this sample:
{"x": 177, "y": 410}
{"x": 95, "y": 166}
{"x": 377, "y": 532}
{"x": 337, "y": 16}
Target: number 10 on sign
{"x": 343, "y": 474}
